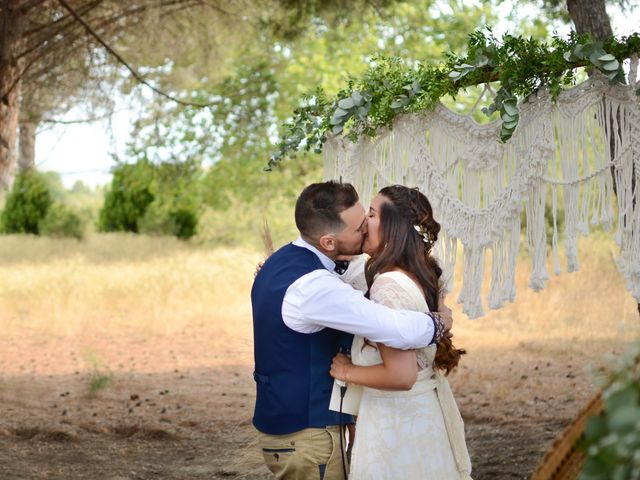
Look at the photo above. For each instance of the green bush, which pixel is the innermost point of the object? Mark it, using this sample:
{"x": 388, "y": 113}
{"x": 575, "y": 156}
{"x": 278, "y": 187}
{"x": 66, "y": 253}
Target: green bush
{"x": 61, "y": 221}
{"x": 183, "y": 222}
{"x": 612, "y": 439}
{"x": 130, "y": 195}
{"x": 155, "y": 220}
{"x": 27, "y": 204}
{"x": 170, "y": 218}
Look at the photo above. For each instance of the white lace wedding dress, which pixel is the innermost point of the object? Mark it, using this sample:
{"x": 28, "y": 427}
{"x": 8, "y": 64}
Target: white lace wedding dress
{"x": 415, "y": 434}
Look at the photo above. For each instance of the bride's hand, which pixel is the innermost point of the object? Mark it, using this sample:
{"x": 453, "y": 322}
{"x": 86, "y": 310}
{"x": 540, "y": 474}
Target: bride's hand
{"x": 340, "y": 366}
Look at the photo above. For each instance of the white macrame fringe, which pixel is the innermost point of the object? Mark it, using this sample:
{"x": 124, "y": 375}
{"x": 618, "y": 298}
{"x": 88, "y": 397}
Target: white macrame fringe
{"x": 563, "y": 151}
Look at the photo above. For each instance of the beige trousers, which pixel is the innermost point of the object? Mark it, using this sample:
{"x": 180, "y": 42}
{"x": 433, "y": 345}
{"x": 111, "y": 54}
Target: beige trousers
{"x": 309, "y": 454}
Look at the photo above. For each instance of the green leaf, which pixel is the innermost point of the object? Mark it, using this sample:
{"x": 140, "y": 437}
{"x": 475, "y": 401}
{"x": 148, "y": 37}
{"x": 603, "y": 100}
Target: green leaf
{"x": 397, "y": 104}
{"x": 481, "y": 61}
{"x": 614, "y": 65}
{"x": 505, "y": 134}
{"x": 620, "y": 398}
{"x": 606, "y": 58}
{"x": 357, "y": 98}
{"x": 594, "y": 57}
{"x": 346, "y": 103}
{"x": 624, "y": 418}
{"x": 510, "y": 108}
{"x": 337, "y": 129}
{"x": 454, "y": 74}
{"x": 596, "y": 428}
{"x": 506, "y": 118}
{"x": 340, "y": 112}
{"x": 567, "y": 55}
{"x": 510, "y": 125}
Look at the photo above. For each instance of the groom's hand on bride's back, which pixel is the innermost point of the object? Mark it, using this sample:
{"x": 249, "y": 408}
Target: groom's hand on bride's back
{"x": 259, "y": 266}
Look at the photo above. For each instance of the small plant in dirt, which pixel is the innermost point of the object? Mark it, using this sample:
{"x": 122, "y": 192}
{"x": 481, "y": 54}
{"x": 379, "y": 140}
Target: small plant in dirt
{"x": 99, "y": 378}
{"x": 612, "y": 439}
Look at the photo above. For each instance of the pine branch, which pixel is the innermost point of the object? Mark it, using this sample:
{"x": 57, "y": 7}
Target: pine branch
{"x": 124, "y": 63}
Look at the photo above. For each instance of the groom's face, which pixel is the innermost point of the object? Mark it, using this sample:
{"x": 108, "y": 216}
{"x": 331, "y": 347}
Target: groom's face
{"x": 349, "y": 241}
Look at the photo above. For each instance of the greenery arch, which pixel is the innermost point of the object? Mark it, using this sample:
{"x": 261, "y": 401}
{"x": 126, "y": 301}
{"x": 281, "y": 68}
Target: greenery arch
{"x": 390, "y": 88}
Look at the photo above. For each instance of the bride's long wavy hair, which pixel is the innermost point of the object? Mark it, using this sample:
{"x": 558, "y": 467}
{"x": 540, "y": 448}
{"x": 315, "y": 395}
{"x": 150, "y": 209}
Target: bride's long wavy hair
{"x": 402, "y": 247}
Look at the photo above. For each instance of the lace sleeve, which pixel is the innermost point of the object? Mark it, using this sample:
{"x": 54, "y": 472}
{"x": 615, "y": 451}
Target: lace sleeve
{"x": 387, "y": 291}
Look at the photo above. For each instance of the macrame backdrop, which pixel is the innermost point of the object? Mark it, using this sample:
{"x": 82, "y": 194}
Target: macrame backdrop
{"x": 560, "y": 158}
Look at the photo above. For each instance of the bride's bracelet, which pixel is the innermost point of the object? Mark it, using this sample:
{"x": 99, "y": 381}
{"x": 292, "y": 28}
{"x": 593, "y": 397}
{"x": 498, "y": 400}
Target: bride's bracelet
{"x": 438, "y": 325}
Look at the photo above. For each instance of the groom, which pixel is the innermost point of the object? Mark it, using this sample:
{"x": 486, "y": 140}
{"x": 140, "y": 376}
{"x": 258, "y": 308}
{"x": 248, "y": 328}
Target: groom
{"x": 300, "y": 309}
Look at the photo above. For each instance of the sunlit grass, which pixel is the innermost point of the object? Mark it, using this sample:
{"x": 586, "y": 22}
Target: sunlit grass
{"x": 120, "y": 282}
{"x": 144, "y": 286}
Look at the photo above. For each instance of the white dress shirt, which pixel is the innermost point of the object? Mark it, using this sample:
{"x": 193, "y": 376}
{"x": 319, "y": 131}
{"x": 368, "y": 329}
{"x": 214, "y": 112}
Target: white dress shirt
{"x": 321, "y": 299}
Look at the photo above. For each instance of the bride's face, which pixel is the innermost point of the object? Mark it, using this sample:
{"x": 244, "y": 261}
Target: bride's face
{"x": 372, "y": 240}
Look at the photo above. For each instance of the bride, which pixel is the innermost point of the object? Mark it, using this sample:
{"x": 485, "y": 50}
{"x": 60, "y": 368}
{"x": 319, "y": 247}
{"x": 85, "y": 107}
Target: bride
{"x": 408, "y": 425}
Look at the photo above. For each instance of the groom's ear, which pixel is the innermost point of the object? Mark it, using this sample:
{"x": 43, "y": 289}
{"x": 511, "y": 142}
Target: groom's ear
{"x": 327, "y": 243}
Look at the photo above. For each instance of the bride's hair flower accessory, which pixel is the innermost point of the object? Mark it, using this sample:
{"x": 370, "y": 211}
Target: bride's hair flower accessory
{"x": 427, "y": 236}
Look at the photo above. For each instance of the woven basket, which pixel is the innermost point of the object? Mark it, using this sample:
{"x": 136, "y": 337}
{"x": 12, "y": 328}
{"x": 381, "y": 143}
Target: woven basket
{"x": 563, "y": 461}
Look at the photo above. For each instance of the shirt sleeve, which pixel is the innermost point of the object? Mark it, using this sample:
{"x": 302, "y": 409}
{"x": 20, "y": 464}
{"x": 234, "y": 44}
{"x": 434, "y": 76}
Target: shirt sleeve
{"x": 320, "y": 299}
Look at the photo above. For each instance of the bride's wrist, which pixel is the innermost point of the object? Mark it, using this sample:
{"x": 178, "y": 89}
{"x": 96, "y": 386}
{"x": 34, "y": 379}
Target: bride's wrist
{"x": 347, "y": 373}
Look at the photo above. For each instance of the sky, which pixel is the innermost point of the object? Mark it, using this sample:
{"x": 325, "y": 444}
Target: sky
{"x": 85, "y": 151}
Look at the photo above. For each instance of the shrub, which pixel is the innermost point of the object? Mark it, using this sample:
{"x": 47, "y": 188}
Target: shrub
{"x": 27, "y": 203}
{"x": 130, "y": 195}
{"x": 61, "y": 221}
{"x": 612, "y": 439}
{"x": 170, "y": 218}
{"x": 183, "y": 222}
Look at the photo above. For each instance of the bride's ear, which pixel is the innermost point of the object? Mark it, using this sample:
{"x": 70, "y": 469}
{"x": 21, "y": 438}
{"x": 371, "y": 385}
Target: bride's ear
{"x": 328, "y": 243}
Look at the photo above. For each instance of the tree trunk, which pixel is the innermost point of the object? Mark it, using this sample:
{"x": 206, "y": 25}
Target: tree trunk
{"x": 590, "y": 16}
{"x": 27, "y": 143}
{"x": 11, "y": 24}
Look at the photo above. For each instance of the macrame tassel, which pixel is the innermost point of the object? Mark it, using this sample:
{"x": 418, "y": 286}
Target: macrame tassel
{"x": 629, "y": 206}
{"x": 568, "y": 151}
{"x": 554, "y": 238}
{"x": 473, "y": 271}
{"x": 445, "y": 251}
{"x": 537, "y": 236}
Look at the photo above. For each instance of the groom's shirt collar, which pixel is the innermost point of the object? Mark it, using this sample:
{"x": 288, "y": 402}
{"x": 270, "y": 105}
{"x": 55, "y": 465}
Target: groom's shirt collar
{"x": 326, "y": 261}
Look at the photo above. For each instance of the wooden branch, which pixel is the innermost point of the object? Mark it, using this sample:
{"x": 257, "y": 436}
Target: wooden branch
{"x": 29, "y": 4}
{"x": 74, "y": 122}
{"x": 65, "y": 18}
{"x": 49, "y": 36}
{"x": 133, "y": 72}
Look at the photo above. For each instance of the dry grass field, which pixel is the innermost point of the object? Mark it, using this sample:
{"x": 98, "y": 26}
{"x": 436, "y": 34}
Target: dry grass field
{"x": 128, "y": 357}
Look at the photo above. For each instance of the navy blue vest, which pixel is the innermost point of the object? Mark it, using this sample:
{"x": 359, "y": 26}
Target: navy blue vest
{"x": 291, "y": 369}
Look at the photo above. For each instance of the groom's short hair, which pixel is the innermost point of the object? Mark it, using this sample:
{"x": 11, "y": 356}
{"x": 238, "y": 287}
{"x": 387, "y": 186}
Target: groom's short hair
{"x": 319, "y": 207}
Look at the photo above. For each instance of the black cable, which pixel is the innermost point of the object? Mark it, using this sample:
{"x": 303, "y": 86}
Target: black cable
{"x": 343, "y": 390}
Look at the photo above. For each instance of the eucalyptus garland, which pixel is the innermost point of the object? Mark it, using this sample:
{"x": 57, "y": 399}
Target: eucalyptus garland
{"x": 389, "y": 88}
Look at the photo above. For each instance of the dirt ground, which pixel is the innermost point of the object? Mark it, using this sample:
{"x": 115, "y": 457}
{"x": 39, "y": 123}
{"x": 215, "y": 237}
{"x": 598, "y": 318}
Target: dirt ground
{"x": 180, "y": 406}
